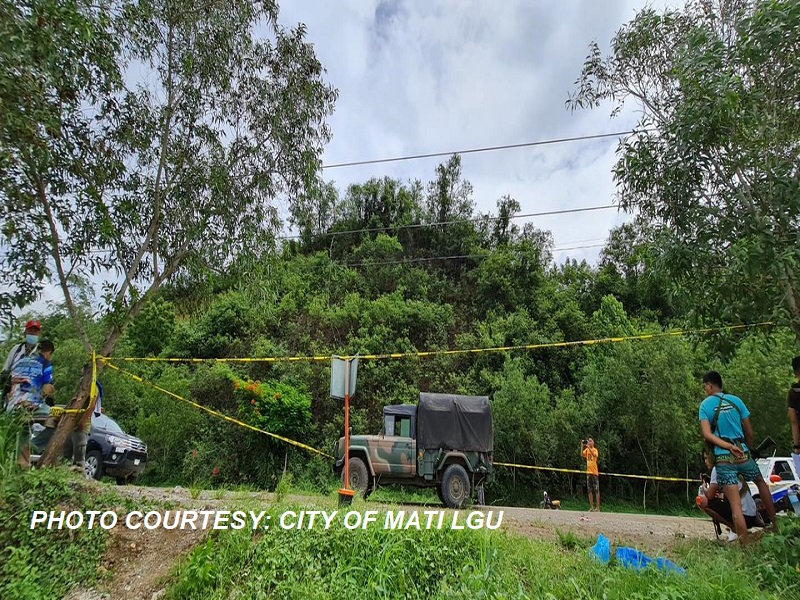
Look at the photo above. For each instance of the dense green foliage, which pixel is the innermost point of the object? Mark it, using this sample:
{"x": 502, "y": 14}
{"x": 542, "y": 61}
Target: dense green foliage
{"x": 712, "y": 167}
{"x": 142, "y": 139}
{"x": 42, "y": 564}
{"x": 167, "y": 188}
{"x": 386, "y": 266}
{"x": 638, "y": 399}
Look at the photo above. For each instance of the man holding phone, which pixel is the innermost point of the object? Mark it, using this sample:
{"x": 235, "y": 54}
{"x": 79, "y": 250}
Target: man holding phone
{"x": 590, "y": 454}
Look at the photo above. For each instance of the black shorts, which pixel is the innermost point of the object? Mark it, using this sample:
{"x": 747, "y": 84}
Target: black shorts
{"x": 592, "y": 484}
{"x": 723, "y": 509}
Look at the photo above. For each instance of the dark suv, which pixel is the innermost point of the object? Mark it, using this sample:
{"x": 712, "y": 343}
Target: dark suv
{"x": 111, "y": 451}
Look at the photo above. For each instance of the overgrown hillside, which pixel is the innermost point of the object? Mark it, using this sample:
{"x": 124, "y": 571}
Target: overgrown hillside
{"x": 374, "y": 274}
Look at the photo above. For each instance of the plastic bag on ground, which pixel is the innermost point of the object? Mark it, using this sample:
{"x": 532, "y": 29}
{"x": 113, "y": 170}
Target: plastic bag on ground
{"x": 601, "y": 550}
{"x": 637, "y": 560}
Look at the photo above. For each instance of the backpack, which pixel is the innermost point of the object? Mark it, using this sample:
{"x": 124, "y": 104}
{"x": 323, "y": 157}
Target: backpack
{"x": 17, "y": 354}
{"x": 712, "y": 457}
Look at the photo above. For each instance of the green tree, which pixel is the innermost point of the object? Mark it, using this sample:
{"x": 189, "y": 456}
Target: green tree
{"x": 57, "y": 59}
{"x": 143, "y": 178}
{"x": 641, "y": 395}
{"x": 713, "y": 160}
{"x": 627, "y": 271}
{"x": 760, "y": 373}
{"x": 152, "y": 328}
{"x": 520, "y": 407}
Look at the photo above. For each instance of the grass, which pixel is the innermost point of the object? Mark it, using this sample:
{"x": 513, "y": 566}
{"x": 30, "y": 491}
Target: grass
{"x": 405, "y": 495}
{"x": 42, "y": 563}
{"x": 442, "y": 564}
{"x": 369, "y": 563}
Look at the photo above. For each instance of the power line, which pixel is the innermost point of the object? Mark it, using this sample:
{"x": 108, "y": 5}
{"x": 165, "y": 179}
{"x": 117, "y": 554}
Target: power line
{"x": 579, "y": 247}
{"x": 456, "y": 221}
{"x": 483, "y": 149}
{"x": 442, "y": 258}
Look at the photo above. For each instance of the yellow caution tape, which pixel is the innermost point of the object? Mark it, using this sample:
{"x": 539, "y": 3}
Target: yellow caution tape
{"x": 314, "y": 450}
{"x": 427, "y": 354}
{"x": 57, "y": 411}
{"x": 266, "y": 359}
{"x": 93, "y": 387}
{"x": 607, "y": 340}
{"x": 583, "y": 472}
{"x": 218, "y": 414}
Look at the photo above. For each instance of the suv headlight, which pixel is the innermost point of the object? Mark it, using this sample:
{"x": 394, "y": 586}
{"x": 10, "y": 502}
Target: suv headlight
{"x": 119, "y": 443}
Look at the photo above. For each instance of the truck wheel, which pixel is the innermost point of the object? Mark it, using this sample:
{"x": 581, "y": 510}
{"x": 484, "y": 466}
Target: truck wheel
{"x": 439, "y": 493}
{"x": 93, "y": 465}
{"x": 359, "y": 477}
{"x": 455, "y": 487}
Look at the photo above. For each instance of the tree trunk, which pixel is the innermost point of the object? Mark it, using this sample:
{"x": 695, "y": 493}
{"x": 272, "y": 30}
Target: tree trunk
{"x": 53, "y": 452}
{"x": 66, "y": 425}
{"x": 644, "y": 496}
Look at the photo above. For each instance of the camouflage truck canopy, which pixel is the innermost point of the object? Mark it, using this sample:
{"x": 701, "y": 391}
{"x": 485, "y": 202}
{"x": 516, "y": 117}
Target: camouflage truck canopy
{"x": 454, "y": 423}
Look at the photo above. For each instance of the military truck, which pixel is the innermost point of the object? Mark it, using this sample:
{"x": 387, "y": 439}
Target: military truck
{"x": 444, "y": 441}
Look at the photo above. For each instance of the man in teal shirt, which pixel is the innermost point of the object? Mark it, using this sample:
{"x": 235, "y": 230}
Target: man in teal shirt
{"x": 725, "y": 423}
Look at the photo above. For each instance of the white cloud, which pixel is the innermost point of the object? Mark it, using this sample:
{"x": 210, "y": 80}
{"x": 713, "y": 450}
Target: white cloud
{"x": 419, "y": 77}
{"x": 427, "y": 76}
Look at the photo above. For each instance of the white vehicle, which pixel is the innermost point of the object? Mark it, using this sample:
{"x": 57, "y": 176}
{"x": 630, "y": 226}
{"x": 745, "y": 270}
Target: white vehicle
{"x": 780, "y": 474}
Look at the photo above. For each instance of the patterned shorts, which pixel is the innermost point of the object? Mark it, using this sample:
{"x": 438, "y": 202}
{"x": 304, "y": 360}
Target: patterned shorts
{"x": 728, "y": 472}
{"x": 593, "y": 483}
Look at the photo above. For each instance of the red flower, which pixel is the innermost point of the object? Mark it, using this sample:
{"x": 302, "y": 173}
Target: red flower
{"x": 215, "y": 472}
{"x": 253, "y": 401}
{"x": 194, "y": 453}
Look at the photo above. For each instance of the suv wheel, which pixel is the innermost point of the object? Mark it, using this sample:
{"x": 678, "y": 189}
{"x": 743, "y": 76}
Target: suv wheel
{"x": 455, "y": 487}
{"x": 359, "y": 477}
{"x": 94, "y": 465}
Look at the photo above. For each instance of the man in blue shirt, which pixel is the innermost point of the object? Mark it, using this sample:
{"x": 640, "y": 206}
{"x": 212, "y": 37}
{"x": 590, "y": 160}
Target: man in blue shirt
{"x": 30, "y": 377}
{"x": 26, "y": 349}
{"x": 31, "y": 383}
{"x": 725, "y": 423}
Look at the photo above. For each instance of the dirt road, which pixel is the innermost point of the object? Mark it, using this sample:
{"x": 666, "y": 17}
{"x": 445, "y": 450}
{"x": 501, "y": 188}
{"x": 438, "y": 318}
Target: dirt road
{"x": 652, "y": 532}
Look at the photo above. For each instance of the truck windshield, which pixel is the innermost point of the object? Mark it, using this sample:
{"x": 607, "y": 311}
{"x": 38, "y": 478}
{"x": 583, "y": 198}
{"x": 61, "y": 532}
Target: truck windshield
{"x": 103, "y": 422}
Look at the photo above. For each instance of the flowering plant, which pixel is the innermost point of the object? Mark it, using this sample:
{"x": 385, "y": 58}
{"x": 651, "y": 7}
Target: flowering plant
{"x": 273, "y": 406}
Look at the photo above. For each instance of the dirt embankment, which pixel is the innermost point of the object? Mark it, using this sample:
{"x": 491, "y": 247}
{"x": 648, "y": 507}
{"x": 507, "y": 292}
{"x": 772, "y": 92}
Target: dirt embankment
{"x": 137, "y": 563}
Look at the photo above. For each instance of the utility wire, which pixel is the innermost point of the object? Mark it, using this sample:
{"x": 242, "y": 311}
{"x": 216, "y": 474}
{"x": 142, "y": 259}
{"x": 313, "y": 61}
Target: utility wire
{"x": 401, "y": 261}
{"x": 455, "y": 221}
{"x": 437, "y": 223}
{"x": 483, "y": 149}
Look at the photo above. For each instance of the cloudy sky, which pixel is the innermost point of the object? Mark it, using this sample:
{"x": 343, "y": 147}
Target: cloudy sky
{"x": 422, "y": 76}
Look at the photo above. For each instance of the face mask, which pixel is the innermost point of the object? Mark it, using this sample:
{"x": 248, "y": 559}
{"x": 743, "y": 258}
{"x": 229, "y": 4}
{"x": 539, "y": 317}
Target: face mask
{"x": 31, "y": 339}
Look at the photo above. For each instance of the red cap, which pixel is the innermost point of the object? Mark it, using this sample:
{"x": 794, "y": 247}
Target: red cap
{"x": 33, "y": 325}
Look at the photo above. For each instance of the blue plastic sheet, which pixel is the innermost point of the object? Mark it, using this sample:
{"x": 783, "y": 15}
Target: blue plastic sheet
{"x": 601, "y": 550}
{"x": 634, "y": 559}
